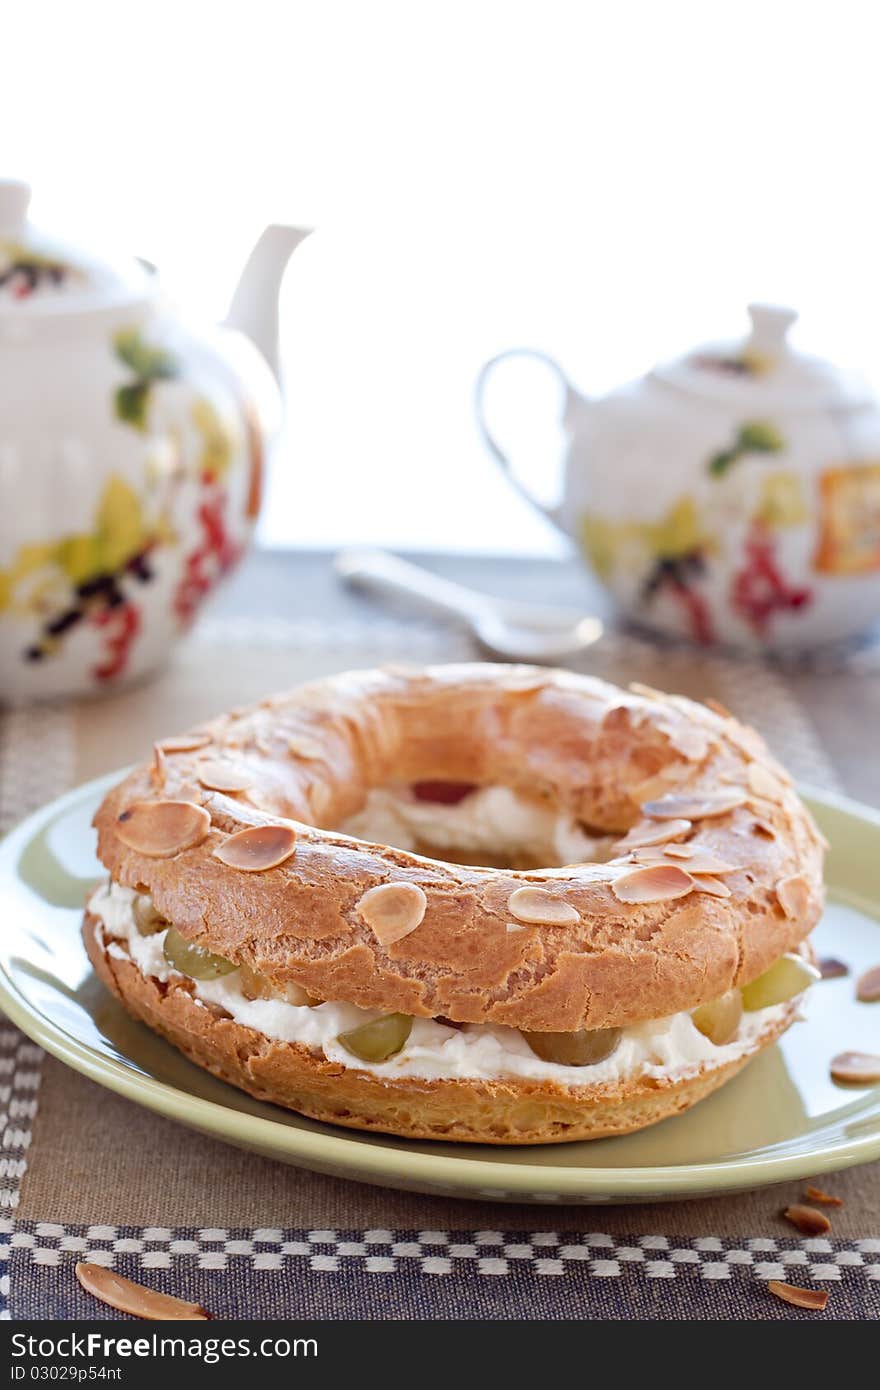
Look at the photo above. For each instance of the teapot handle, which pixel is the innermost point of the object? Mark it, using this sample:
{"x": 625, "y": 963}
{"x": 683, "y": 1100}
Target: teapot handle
{"x": 501, "y": 458}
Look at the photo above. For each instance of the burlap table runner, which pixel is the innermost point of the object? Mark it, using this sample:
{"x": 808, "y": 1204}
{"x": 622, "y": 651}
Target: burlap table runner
{"x": 86, "y": 1171}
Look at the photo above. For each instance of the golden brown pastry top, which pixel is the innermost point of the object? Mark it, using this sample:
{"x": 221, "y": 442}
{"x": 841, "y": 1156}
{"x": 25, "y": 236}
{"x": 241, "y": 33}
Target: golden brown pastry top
{"x": 597, "y": 945}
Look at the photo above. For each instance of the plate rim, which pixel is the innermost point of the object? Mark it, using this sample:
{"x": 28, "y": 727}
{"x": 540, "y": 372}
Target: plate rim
{"x": 380, "y": 1164}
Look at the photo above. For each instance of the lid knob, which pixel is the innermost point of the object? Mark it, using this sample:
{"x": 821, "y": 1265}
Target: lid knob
{"x": 15, "y": 197}
{"x": 770, "y": 324}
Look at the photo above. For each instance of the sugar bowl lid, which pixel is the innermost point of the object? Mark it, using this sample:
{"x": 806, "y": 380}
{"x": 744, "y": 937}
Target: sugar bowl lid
{"x": 762, "y": 370}
{"x": 42, "y": 275}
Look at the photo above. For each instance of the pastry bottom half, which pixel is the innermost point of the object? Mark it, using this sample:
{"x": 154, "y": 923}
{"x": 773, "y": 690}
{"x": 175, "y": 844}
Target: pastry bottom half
{"x": 507, "y": 1111}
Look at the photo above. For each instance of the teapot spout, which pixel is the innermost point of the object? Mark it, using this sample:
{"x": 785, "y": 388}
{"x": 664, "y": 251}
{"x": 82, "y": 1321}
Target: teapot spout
{"x": 254, "y": 307}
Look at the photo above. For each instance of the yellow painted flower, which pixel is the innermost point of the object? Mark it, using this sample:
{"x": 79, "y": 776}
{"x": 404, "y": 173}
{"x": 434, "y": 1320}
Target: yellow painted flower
{"x": 219, "y": 438}
{"x": 32, "y": 583}
{"x": 781, "y": 501}
{"x": 630, "y": 544}
{"x": 601, "y": 542}
{"x": 119, "y": 533}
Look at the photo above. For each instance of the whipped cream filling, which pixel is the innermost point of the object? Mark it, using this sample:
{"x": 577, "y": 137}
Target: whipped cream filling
{"x": 492, "y": 821}
{"x": 433, "y": 1051}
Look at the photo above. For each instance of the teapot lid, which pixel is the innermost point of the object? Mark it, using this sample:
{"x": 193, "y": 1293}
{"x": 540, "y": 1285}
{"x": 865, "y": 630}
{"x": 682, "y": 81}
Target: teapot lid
{"x": 762, "y": 369}
{"x": 42, "y": 275}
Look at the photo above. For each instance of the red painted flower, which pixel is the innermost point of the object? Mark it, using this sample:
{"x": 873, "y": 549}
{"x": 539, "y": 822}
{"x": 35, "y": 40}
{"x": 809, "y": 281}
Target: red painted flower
{"x": 120, "y": 626}
{"x": 760, "y": 589}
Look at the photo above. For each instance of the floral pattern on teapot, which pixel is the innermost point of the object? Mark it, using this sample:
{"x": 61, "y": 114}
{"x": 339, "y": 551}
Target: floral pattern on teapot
{"x": 849, "y": 532}
{"x": 94, "y": 578}
{"x": 673, "y": 558}
{"x": 24, "y": 272}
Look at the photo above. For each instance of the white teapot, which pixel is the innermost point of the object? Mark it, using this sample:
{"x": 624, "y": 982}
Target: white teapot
{"x": 732, "y": 495}
{"x": 132, "y": 449}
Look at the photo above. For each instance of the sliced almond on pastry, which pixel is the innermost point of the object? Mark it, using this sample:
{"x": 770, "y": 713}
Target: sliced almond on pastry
{"x": 762, "y": 782}
{"x": 695, "y": 860}
{"x": 856, "y": 1068}
{"x": 793, "y": 894}
{"x": 221, "y": 775}
{"x": 705, "y": 883}
{"x": 674, "y": 806}
{"x": 542, "y": 907}
{"x": 717, "y": 708}
{"x": 158, "y": 766}
{"x": 305, "y": 747}
{"x": 647, "y": 692}
{"x": 654, "y": 834}
{"x": 393, "y": 910}
{"x": 185, "y": 743}
{"x": 140, "y": 1302}
{"x": 654, "y": 883}
{"x": 160, "y": 829}
{"x": 745, "y": 738}
{"x": 257, "y": 848}
{"x": 688, "y": 739}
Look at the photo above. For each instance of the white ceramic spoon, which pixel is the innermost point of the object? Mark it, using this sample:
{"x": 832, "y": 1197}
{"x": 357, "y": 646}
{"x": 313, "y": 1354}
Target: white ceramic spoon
{"x": 515, "y": 631}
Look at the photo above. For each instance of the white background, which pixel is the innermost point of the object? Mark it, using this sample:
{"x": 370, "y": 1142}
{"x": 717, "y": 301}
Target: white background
{"x": 611, "y": 182}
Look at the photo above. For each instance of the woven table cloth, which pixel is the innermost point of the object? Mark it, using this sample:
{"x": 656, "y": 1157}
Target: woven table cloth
{"x": 86, "y": 1174}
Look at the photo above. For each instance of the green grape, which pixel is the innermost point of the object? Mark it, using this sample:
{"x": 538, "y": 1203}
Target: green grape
{"x": 147, "y": 919}
{"x": 377, "y": 1041}
{"x": 192, "y": 960}
{"x": 719, "y": 1019}
{"x": 786, "y": 977}
{"x": 582, "y": 1049}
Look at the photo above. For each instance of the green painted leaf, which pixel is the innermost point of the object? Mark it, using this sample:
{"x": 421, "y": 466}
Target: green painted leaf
{"x": 149, "y": 363}
{"x": 760, "y": 437}
{"x": 131, "y": 403}
{"x": 720, "y": 462}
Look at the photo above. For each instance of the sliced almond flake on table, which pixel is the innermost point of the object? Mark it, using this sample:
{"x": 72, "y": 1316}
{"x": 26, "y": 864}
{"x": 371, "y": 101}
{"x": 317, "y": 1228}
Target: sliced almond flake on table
{"x": 814, "y": 1300}
{"x": 816, "y": 1194}
{"x": 807, "y": 1220}
{"x": 832, "y": 969}
{"x": 129, "y": 1297}
{"x": 856, "y": 1068}
{"x": 868, "y": 986}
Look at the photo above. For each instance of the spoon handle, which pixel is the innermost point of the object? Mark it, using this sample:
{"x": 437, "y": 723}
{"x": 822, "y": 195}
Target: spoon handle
{"x": 384, "y": 573}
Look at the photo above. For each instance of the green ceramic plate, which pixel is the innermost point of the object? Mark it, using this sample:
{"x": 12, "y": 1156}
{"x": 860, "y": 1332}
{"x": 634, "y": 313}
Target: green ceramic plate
{"x": 781, "y": 1118}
